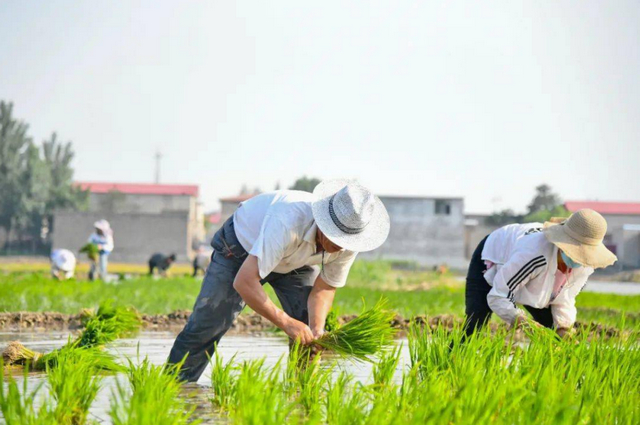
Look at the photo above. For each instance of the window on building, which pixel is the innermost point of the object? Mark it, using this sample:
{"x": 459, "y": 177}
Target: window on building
{"x": 443, "y": 207}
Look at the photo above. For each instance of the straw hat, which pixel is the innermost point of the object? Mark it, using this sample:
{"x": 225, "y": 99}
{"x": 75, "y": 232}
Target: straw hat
{"x": 580, "y": 237}
{"x": 350, "y": 215}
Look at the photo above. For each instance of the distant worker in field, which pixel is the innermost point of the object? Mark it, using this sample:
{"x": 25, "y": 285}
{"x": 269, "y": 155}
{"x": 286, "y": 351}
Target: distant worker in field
{"x": 542, "y": 267}
{"x": 161, "y": 262}
{"x": 279, "y": 238}
{"x": 201, "y": 260}
{"x": 102, "y": 237}
{"x": 63, "y": 264}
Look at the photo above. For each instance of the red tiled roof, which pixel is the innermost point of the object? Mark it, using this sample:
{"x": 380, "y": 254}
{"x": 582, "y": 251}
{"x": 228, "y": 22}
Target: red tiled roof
{"x": 239, "y": 198}
{"x": 214, "y": 218}
{"x": 616, "y": 208}
{"x": 140, "y": 188}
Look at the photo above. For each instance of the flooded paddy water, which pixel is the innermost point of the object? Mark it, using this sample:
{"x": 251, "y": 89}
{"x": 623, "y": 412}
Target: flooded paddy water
{"x": 156, "y": 345}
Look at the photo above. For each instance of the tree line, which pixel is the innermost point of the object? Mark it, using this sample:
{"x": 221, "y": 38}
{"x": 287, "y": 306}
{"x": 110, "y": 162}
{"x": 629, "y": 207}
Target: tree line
{"x": 35, "y": 180}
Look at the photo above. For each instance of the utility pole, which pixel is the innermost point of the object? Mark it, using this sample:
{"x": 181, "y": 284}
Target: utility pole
{"x": 158, "y": 158}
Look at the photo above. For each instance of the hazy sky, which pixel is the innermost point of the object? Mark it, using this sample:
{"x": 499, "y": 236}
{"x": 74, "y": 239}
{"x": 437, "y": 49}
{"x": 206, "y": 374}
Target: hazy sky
{"x": 441, "y": 98}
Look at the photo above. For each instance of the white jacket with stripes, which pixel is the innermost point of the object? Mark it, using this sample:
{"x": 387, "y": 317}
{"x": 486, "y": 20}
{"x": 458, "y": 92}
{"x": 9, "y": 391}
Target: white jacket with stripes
{"x": 524, "y": 273}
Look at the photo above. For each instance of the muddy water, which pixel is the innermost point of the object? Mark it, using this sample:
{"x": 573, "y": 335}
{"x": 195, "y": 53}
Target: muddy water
{"x": 156, "y": 346}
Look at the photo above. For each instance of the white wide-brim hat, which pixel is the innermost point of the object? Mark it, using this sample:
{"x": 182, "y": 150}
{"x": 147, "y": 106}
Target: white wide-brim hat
{"x": 103, "y": 225}
{"x": 350, "y": 215}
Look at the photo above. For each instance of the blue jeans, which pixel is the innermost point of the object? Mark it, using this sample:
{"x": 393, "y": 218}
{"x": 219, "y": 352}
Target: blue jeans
{"x": 100, "y": 266}
{"x": 218, "y": 303}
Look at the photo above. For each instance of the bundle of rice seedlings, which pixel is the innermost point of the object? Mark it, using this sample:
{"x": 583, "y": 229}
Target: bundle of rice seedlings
{"x": 363, "y": 337}
{"x": 91, "y": 250}
{"x": 105, "y": 325}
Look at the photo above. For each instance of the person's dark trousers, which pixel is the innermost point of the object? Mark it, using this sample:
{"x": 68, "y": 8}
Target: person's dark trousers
{"x": 218, "y": 303}
{"x": 477, "y": 309}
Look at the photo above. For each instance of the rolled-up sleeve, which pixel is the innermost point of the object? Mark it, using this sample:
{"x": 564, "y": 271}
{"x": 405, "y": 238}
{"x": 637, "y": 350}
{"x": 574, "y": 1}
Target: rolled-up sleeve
{"x": 335, "y": 273}
{"x": 271, "y": 246}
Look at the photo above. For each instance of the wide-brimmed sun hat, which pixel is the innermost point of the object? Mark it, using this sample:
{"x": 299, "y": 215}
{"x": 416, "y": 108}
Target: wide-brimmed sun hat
{"x": 103, "y": 225}
{"x": 580, "y": 237}
{"x": 350, "y": 215}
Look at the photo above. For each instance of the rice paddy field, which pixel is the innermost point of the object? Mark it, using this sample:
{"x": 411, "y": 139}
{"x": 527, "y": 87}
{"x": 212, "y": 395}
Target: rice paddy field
{"x": 430, "y": 375}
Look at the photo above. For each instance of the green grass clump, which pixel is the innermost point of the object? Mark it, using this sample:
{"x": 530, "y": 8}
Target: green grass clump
{"x": 17, "y": 402}
{"x": 74, "y": 384}
{"x": 363, "y": 337}
{"x": 151, "y": 398}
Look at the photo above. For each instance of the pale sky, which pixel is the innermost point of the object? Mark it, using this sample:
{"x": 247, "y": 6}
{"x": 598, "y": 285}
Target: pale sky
{"x": 483, "y": 100}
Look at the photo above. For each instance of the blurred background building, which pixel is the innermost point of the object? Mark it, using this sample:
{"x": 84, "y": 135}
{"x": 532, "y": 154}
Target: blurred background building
{"x": 145, "y": 218}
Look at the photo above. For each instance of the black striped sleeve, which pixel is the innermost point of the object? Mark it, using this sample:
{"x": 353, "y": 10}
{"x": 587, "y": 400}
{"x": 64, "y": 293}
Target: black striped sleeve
{"x": 525, "y": 271}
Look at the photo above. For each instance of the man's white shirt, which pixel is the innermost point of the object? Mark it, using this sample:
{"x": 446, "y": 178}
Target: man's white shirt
{"x": 278, "y": 228}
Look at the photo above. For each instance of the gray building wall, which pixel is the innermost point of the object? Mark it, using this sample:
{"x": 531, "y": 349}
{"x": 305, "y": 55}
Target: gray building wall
{"x": 136, "y": 235}
{"x": 623, "y": 238}
{"x": 429, "y": 231}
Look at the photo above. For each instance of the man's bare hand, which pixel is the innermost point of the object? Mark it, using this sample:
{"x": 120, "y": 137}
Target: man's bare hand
{"x": 564, "y": 332}
{"x": 298, "y": 331}
{"x": 317, "y": 333}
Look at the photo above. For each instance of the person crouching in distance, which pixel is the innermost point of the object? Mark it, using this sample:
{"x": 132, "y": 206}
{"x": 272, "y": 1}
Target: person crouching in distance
{"x": 541, "y": 267}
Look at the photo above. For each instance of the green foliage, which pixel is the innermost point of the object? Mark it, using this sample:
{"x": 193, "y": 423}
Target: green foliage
{"x": 544, "y": 200}
{"x": 363, "y": 337}
{"x": 305, "y": 183}
{"x": 91, "y": 250}
{"x": 151, "y": 398}
{"x": 33, "y": 181}
{"x": 38, "y": 292}
{"x": 545, "y": 215}
{"x": 100, "y": 328}
{"x": 17, "y": 402}
{"x": 502, "y": 218}
{"x": 222, "y": 381}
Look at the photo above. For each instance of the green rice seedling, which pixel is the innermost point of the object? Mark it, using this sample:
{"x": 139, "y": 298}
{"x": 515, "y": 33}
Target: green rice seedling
{"x": 91, "y": 250}
{"x": 260, "y": 397}
{"x": 74, "y": 385}
{"x": 151, "y": 398}
{"x": 363, "y": 337}
{"x": 101, "y": 359}
{"x": 222, "y": 381}
{"x": 107, "y": 324}
{"x": 100, "y": 328}
{"x": 385, "y": 368}
{"x": 344, "y": 403}
{"x": 17, "y": 404}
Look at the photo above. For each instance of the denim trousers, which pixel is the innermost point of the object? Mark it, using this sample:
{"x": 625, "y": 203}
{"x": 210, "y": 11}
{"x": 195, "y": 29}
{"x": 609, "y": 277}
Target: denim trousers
{"x": 219, "y": 304}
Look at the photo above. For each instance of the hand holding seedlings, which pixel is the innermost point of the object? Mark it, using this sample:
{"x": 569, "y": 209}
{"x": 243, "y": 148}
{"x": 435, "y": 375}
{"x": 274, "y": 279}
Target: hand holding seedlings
{"x": 298, "y": 331}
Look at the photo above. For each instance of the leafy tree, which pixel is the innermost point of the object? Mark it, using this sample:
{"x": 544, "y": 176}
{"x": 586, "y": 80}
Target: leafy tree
{"x": 544, "y": 215}
{"x": 33, "y": 181}
{"x": 502, "y": 218}
{"x": 305, "y": 183}
{"x": 544, "y": 200}
{"x": 14, "y": 143}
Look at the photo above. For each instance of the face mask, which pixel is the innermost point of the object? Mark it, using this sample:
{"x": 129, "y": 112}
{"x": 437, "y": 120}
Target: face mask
{"x": 569, "y": 262}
